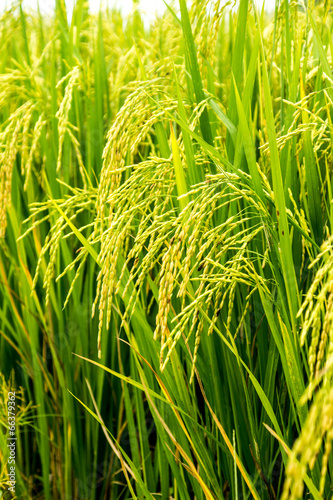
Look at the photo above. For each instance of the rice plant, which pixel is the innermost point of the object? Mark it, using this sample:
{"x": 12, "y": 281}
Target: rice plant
{"x": 166, "y": 251}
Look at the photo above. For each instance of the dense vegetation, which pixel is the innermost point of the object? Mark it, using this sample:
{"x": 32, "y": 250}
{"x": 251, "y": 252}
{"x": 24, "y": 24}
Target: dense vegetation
{"x": 166, "y": 252}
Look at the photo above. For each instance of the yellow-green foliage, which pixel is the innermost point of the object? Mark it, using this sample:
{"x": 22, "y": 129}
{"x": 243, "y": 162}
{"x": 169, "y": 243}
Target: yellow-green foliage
{"x": 178, "y": 180}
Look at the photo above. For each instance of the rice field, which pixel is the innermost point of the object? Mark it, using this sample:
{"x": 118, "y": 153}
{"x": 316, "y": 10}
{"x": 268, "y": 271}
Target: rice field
{"x": 166, "y": 253}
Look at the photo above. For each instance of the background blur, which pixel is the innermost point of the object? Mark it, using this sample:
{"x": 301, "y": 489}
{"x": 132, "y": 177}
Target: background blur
{"x": 148, "y": 7}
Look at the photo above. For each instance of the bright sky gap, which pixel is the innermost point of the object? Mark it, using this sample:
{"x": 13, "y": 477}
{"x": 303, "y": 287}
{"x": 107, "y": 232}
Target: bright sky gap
{"x": 149, "y": 8}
